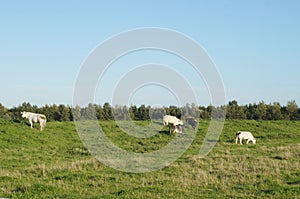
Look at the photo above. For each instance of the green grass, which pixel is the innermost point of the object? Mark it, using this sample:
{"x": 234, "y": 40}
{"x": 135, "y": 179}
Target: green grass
{"x": 54, "y": 164}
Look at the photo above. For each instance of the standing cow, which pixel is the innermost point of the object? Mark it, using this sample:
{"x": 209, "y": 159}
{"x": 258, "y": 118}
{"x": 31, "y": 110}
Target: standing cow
{"x": 168, "y": 119}
{"x": 246, "y": 136}
{"x": 191, "y": 121}
{"x": 35, "y": 117}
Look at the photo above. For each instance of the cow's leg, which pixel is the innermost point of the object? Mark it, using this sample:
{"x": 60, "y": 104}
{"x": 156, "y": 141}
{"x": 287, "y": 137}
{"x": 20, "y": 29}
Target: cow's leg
{"x": 248, "y": 141}
{"x": 236, "y": 140}
{"x": 41, "y": 124}
{"x": 31, "y": 123}
{"x": 241, "y": 140}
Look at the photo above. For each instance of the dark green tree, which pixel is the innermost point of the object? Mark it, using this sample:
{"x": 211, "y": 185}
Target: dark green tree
{"x": 292, "y": 110}
{"x": 5, "y": 114}
{"x": 89, "y": 112}
{"x": 156, "y": 113}
{"x": 121, "y": 113}
{"x": 234, "y": 111}
{"x": 65, "y": 112}
{"x": 204, "y": 113}
{"x": 26, "y": 106}
{"x": 260, "y": 111}
{"x": 55, "y": 114}
{"x": 99, "y": 112}
{"x": 76, "y": 112}
{"x": 133, "y": 112}
{"x": 3, "y": 110}
{"x": 174, "y": 111}
{"x": 143, "y": 113}
{"x": 274, "y": 111}
{"x": 107, "y": 111}
{"x": 250, "y": 111}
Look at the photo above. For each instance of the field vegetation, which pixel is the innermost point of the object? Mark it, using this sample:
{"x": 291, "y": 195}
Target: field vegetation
{"x": 54, "y": 163}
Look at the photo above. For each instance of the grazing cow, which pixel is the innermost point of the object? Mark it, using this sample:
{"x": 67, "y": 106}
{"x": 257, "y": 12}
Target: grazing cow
{"x": 168, "y": 119}
{"x": 244, "y": 135}
{"x": 35, "y": 117}
{"x": 191, "y": 121}
{"x": 176, "y": 129}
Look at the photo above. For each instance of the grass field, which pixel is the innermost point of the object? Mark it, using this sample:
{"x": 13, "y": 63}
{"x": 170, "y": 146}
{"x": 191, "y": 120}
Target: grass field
{"x": 54, "y": 164}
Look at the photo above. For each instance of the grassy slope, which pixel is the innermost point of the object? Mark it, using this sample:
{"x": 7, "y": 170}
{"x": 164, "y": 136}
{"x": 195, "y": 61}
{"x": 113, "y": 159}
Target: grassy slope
{"x": 54, "y": 164}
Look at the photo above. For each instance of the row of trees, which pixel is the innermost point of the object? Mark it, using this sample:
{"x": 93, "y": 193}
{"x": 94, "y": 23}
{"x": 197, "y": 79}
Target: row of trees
{"x": 263, "y": 111}
{"x": 260, "y": 111}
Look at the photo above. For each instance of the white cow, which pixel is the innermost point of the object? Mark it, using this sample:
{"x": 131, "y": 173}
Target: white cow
{"x": 168, "y": 119}
{"x": 35, "y": 117}
{"x": 240, "y": 135}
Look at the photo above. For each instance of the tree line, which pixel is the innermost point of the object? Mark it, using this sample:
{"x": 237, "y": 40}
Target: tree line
{"x": 260, "y": 111}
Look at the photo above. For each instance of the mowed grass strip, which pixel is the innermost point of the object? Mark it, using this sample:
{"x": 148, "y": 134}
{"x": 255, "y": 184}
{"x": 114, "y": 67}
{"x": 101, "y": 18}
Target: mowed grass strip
{"x": 54, "y": 163}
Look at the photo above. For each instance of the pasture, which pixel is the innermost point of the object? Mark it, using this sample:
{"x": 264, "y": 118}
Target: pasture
{"x": 54, "y": 164}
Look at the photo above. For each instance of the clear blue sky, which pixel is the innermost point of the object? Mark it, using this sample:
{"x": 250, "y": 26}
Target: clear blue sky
{"x": 255, "y": 44}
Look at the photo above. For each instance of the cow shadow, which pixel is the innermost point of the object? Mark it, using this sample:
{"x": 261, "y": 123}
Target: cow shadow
{"x": 157, "y": 122}
{"x": 16, "y": 121}
{"x": 165, "y": 132}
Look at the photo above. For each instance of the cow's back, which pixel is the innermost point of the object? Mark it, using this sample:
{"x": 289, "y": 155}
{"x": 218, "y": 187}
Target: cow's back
{"x": 245, "y": 134}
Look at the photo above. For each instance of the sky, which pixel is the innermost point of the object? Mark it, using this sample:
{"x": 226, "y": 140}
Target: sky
{"x": 255, "y": 46}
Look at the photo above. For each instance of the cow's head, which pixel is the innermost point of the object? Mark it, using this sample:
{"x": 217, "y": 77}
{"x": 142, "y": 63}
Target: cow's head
{"x": 23, "y": 114}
